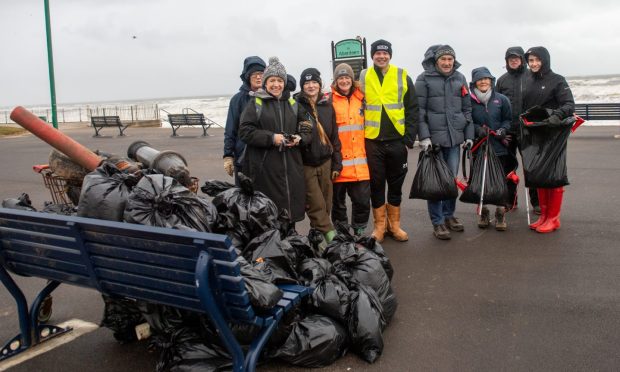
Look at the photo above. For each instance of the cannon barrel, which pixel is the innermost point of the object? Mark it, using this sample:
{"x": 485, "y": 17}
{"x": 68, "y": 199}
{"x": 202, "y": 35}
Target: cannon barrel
{"x": 61, "y": 142}
{"x": 169, "y": 163}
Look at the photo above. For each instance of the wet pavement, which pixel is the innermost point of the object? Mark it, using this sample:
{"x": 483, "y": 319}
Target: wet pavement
{"x": 484, "y": 301}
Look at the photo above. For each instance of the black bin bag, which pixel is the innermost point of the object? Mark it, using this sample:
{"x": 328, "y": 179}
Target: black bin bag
{"x": 158, "y": 200}
{"x": 543, "y": 149}
{"x": 316, "y": 341}
{"x": 104, "y": 193}
{"x": 433, "y": 179}
{"x": 244, "y": 213}
{"x": 495, "y": 188}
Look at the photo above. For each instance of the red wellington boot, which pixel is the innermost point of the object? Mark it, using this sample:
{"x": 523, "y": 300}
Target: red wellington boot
{"x": 554, "y": 205}
{"x": 542, "y": 202}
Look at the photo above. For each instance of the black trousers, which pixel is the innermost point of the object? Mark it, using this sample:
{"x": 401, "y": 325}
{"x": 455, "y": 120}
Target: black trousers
{"x": 509, "y": 163}
{"x": 387, "y": 162}
{"x": 359, "y": 192}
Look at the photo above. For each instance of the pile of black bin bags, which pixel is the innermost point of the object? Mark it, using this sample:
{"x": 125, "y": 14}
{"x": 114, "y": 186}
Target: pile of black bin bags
{"x": 351, "y": 305}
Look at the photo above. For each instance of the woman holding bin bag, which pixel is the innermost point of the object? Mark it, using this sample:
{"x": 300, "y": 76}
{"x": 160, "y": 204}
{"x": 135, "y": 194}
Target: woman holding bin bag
{"x": 547, "y": 138}
{"x": 491, "y": 113}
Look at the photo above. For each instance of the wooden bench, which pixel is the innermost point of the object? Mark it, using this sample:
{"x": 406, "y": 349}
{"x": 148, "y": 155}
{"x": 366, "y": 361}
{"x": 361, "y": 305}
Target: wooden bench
{"x": 100, "y": 122}
{"x": 598, "y": 111}
{"x": 189, "y": 270}
{"x": 178, "y": 120}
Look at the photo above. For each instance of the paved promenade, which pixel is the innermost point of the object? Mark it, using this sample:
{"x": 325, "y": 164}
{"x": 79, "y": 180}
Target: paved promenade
{"x": 484, "y": 301}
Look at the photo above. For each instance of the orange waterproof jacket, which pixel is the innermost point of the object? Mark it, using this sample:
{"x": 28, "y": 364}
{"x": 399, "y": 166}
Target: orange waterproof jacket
{"x": 350, "y": 121}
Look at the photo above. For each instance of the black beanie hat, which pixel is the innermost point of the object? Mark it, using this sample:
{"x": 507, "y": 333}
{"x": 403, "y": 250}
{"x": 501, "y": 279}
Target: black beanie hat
{"x": 381, "y": 44}
{"x": 310, "y": 74}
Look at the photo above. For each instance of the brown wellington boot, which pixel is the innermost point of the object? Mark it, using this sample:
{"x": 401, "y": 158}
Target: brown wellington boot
{"x": 393, "y": 224}
{"x": 379, "y": 217}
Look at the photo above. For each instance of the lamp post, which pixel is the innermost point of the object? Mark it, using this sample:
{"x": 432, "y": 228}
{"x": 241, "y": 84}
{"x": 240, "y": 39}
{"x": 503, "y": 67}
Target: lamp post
{"x": 50, "y": 62}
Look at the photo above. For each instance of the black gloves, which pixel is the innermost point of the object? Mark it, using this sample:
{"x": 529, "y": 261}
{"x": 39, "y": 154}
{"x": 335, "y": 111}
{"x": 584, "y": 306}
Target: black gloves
{"x": 554, "y": 119}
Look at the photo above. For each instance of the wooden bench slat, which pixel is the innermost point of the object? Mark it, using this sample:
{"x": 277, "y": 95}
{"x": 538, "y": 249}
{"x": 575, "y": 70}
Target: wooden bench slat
{"x": 76, "y": 268}
{"x": 141, "y": 244}
{"x": 51, "y": 274}
{"x": 232, "y": 283}
{"x": 184, "y": 276}
{"x": 43, "y": 250}
{"x": 242, "y": 313}
{"x": 116, "y": 276}
{"x": 135, "y": 255}
{"x": 175, "y": 300}
{"x": 227, "y": 268}
{"x": 60, "y": 229}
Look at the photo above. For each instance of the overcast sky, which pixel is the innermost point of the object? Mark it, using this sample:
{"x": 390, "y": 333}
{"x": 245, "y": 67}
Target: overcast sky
{"x": 133, "y": 49}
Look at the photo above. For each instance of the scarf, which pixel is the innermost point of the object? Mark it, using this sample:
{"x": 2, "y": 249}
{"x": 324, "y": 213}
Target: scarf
{"x": 483, "y": 97}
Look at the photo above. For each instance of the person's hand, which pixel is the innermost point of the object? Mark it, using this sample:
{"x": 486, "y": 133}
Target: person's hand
{"x": 229, "y": 165}
{"x": 295, "y": 141}
{"x": 278, "y": 139}
{"x": 500, "y": 134}
{"x": 506, "y": 140}
{"x": 305, "y": 127}
{"x": 468, "y": 144}
{"x": 425, "y": 144}
{"x": 554, "y": 119}
{"x": 335, "y": 174}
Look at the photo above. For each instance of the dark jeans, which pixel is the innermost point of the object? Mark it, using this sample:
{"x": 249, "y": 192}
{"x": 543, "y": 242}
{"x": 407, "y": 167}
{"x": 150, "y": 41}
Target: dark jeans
{"x": 387, "y": 162}
{"x": 359, "y": 192}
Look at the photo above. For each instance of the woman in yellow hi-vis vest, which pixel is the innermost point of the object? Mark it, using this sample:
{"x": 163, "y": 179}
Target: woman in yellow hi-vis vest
{"x": 390, "y": 127}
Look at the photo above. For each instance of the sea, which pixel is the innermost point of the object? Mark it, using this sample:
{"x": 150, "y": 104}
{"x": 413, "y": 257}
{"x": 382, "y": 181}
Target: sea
{"x": 586, "y": 89}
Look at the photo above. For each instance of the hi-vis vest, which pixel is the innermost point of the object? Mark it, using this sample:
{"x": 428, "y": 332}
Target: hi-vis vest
{"x": 350, "y": 122}
{"x": 258, "y": 103}
{"x": 388, "y": 95}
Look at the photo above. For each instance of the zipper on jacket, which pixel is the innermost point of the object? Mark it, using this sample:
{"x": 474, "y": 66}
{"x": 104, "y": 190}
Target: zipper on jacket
{"x": 288, "y": 192}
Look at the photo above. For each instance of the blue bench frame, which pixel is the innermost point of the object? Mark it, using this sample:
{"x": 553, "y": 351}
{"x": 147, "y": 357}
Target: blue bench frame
{"x": 190, "y": 270}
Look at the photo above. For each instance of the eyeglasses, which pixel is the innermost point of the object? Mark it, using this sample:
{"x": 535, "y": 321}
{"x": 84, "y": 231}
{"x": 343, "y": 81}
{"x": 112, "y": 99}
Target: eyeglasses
{"x": 256, "y": 74}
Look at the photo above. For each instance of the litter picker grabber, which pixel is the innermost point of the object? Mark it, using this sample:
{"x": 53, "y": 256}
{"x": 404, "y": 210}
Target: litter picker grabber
{"x": 484, "y": 174}
{"x": 527, "y": 205}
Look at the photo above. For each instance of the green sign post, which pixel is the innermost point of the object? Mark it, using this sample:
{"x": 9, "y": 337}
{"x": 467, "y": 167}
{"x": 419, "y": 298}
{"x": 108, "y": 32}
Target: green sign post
{"x": 352, "y": 52}
{"x": 349, "y": 48}
{"x": 50, "y": 62}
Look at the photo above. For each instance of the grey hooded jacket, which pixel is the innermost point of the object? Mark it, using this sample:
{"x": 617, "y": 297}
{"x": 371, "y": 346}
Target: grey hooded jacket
{"x": 445, "y": 105}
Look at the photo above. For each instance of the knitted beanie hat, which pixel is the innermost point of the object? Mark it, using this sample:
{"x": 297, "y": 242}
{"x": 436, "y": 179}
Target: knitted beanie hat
{"x": 381, "y": 44}
{"x": 444, "y": 50}
{"x": 310, "y": 74}
{"x": 274, "y": 68}
{"x": 343, "y": 69}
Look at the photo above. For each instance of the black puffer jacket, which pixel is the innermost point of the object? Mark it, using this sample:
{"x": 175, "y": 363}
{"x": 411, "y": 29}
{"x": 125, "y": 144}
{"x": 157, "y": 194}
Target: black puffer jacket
{"x": 277, "y": 172}
{"x": 317, "y": 153}
{"x": 512, "y": 85}
{"x": 547, "y": 89}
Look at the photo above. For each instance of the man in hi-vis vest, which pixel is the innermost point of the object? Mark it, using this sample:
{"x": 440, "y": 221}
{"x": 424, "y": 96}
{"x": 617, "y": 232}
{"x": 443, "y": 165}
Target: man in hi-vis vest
{"x": 390, "y": 127}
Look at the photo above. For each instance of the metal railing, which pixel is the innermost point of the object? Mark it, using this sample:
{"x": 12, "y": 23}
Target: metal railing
{"x": 127, "y": 113}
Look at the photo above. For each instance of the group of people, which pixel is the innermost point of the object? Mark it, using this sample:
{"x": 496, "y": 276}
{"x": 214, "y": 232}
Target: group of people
{"x": 308, "y": 151}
